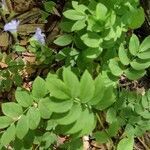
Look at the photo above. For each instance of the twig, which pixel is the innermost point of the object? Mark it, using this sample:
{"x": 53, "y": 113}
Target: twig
{"x": 136, "y": 147}
{"x": 144, "y": 145}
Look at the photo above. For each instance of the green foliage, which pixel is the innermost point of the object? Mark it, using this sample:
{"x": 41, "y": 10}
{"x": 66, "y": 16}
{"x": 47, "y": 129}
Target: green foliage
{"x": 8, "y": 135}
{"x": 105, "y": 136}
{"x": 78, "y": 94}
{"x": 43, "y": 53}
{"x": 20, "y": 95}
{"x": 126, "y": 143}
{"x": 49, "y": 7}
{"x": 10, "y": 72}
{"x": 70, "y": 107}
{"x": 132, "y": 61}
{"x": 95, "y": 27}
{"x": 5, "y": 121}
{"x": 39, "y": 92}
{"x": 63, "y": 40}
{"x": 12, "y": 110}
{"x": 22, "y": 127}
{"x": 105, "y": 26}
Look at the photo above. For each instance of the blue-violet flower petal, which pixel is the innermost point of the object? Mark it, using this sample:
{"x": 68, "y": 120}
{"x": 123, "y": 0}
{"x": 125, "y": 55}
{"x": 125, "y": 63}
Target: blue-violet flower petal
{"x": 39, "y": 36}
{"x": 12, "y": 26}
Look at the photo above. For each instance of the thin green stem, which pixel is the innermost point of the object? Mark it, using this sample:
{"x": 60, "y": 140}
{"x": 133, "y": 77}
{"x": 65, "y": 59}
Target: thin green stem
{"x": 101, "y": 124}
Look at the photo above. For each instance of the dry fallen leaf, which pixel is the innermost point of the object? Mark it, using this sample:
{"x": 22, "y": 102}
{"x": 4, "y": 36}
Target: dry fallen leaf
{"x": 29, "y": 57}
{"x": 4, "y": 39}
{"x": 3, "y": 65}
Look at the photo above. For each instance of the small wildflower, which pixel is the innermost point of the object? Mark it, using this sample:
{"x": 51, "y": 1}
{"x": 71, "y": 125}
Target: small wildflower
{"x": 12, "y": 26}
{"x": 39, "y": 36}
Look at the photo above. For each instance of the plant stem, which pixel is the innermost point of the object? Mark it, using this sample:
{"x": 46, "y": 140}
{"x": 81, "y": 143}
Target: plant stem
{"x": 100, "y": 122}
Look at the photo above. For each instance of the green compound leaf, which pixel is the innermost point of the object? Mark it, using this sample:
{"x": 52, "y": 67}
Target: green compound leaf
{"x": 145, "y": 114}
{"x": 113, "y": 129}
{"x": 134, "y": 45}
{"x": 51, "y": 124}
{"x": 57, "y": 106}
{"x": 74, "y": 15}
{"x": 111, "y": 115}
{"x": 12, "y": 110}
{"x": 5, "y": 121}
{"x": 126, "y": 143}
{"x": 48, "y": 138}
{"x": 8, "y": 135}
{"x": 79, "y": 7}
{"x": 72, "y": 82}
{"x": 145, "y": 45}
{"x": 144, "y": 55}
{"x": 134, "y": 74}
{"x": 92, "y": 53}
{"x": 129, "y": 130}
{"x": 57, "y": 88}
{"x": 145, "y": 100}
{"x": 84, "y": 119}
{"x": 101, "y": 136}
{"x": 23, "y": 98}
{"x": 63, "y": 40}
{"x": 49, "y": 6}
{"x": 22, "y": 127}
{"x": 66, "y": 26}
{"x": 123, "y": 55}
{"x": 101, "y": 11}
{"x": 91, "y": 121}
{"x": 115, "y": 67}
{"x": 107, "y": 100}
{"x": 99, "y": 91}
{"x": 69, "y": 117}
{"x": 18, "y": 144}
{"x": 135, "y": 22}
{"x": 34, "y": 117}
{"x": 91, "y": 40}
{"x": 44, "y": 109}
{"x": 39, "y": 89}
{"x": 78, "y": 25}
{"x": 139, "y": 64}
{"x": 86, "y": 87}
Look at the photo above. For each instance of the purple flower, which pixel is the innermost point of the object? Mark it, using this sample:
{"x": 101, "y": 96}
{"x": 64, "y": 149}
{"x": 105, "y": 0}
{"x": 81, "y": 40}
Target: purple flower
{"x": 39, "y": 36}
{"x": 12, "y": 26}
